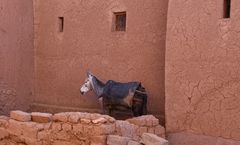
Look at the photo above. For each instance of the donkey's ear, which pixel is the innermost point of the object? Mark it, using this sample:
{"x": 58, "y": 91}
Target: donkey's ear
{"x": 89, "y": 73}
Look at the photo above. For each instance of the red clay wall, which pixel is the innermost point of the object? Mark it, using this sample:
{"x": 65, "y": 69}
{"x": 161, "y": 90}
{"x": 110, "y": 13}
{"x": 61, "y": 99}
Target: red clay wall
{"x": 202, "y": 69}
{"x": 88, "y": 42}
{"x": 16, "y": 54}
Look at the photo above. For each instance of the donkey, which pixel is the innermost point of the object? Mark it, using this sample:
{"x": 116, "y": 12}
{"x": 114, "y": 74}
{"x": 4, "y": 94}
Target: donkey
{"x": 117, "y": 96}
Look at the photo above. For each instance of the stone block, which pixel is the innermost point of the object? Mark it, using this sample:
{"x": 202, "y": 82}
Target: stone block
{"x": 131, "y": 142}
{"x": 98, "y": 140}
{"x": 20, "y": 116}
{"x": 45, "y": 125}
{"x": 117, "y": 140}
{"x": 104, "y": 129}
{"x": 61, "y": 117}
{"x": 66, "y": 126}
{"x": 150, "y": 130}
{"x": 15, "y": 127}
{"x": 24, "y": 129}
{"x": 61, "y": 135}
{"x": 152, "y": 139}
{"x": 30, "y": 130}
{"x": 56, "y": 126}
{"x": 30, "y": 141}
{"x": 88, "y": 130}
{"x": 160, "y": 131}
{"x": 74, "y": 117}
{"x": 85, "y": 121}
{"x": 3, "y": 133}
{"x": 95, "y": 116}
{"x": 155, "y": 121}
{"x": 3, "y": 121}
{"x": 41, "y": 117}
{"x": 6, "y": 142}
{"x": 109, "y": 118}
{"x": 142, "y": 130}
{"x": 77, "y": 128}
{"x": 146, "y": 120}
{"x": 43, "y": 135}
{"x": 139, "y": 121}
{"x": 99, "y": 120}
{"x": 126, "y": 129}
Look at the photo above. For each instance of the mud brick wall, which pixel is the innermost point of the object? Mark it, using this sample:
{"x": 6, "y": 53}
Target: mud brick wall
{"x": 88, "y": 42}
{"x": 202, "y": 70}
{"x": 72, "y": 128}
{"x": 16, "y": 54}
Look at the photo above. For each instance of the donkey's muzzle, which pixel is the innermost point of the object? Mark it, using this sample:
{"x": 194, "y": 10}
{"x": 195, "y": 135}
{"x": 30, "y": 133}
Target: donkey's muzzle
{"x": 82, "y": 93}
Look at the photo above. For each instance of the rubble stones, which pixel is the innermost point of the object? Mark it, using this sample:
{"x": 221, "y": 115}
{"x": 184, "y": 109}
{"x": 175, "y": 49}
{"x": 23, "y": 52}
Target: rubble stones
{"x": 117, "y": 140}
{"x": 85, "y": 121}
{"x": 20, "y": 116}
{"x": 74, "y": 117}
{"x": 152, "y": 139}
{"x": 3, "y": 133}
{"x": 62, "y": 117}
{"x": 146, "y": 120}
{"x": 126, "y": 129}
{"x": 160, "y": 131}
{"x": 3, "y": 121}
{"x": 131, "y": 142}
{"x": 41, "y": 117}
{"x": 99, "y": 140}
{"x": 75, "y": 128}
{"x": 99, "y": 120}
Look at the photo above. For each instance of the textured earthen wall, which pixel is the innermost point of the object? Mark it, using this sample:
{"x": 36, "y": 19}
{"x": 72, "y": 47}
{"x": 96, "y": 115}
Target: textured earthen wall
{"x": 88, "y": 42}
{"x": 16, "y": 54}
{"x": 202, "y": 69}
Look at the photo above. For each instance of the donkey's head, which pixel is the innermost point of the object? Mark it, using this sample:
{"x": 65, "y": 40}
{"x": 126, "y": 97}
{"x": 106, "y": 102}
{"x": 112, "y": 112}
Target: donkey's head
{"x": 87, "y": 86}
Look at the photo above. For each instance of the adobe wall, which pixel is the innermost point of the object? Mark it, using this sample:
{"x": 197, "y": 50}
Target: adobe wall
{"x": 202, "y": 70}
{"x": 16, "y": 54}
{"x": 88, "y": 42}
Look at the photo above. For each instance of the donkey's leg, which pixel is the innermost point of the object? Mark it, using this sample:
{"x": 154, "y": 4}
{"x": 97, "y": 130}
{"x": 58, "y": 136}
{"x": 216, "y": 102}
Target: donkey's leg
{"x": 105, "y": 108}
{"x": 136, "y": 109}
{"x": 136, "y": 105}
{"x": 142, "y": 96}
{"x": 144, "y": 105}
{"x": 100, "y": 101}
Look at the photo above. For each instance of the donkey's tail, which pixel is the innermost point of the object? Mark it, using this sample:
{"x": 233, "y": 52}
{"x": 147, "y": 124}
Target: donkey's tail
{"x": 144, "y": 99}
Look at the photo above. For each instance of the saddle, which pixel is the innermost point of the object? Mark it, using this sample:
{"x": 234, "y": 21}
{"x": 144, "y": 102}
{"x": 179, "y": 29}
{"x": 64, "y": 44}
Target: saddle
{"x": 116, "y": 93}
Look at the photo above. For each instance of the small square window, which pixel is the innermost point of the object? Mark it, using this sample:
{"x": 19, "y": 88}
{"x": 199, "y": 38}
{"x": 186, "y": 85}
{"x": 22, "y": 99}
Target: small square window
{"x": 60, "y": 24}
{"x": 120, "y": 21}
{"x": 226, "y": 8}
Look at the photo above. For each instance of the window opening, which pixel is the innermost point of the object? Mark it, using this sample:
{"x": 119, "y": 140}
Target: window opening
{"x": 61, "y": 23}
{"x": 120, "y": 21}
{"x": 227, "y": 9}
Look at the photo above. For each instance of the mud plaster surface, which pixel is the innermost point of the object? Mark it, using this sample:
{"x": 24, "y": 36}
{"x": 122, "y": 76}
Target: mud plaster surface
{"x": 88, "y": 42}
{"x": 16, "y": 54}
{"x": 202, "y": 69}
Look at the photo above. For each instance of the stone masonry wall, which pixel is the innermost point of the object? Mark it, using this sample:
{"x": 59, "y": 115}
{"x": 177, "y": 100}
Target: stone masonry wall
{"x": 76, "y": 128}
{"x": 202, "y": 69}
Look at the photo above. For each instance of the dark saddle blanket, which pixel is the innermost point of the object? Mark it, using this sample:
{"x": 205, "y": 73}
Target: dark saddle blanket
{"x": 117, "y": 93}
